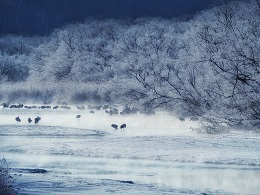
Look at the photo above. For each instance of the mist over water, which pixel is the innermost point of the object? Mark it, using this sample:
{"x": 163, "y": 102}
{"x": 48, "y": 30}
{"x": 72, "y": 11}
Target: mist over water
{"x": 160, "y": 124}
{"x": 154, "y": 154}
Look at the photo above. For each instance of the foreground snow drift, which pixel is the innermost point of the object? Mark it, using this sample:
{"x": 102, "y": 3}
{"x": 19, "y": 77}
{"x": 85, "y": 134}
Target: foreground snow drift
{"x": 153, "y": 155}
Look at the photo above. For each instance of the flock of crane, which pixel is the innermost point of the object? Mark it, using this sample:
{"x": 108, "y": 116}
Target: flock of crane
{"x": 108, "y": 109}
{"x": 111, "y": 110}
{"x": 36, "y": 120}
{"x": 115, "y": 126}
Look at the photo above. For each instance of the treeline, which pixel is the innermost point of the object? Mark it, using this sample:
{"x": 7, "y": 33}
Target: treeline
{"x": 208, "y": 66}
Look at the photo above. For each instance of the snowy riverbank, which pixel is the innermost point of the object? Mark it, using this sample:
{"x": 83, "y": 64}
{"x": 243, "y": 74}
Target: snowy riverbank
{"x": 155, "y": 154}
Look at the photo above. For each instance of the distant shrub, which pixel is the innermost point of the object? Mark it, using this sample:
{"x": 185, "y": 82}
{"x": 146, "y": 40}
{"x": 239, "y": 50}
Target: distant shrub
{"x": 6, "y": 180}
{"x": 211, "y": 126}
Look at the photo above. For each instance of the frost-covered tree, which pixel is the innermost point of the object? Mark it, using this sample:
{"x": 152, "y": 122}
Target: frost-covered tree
{"x": 143, "y": 51}
{"x": 95, "y": 53}
{"x": 78, "y": 52}
{"x": 14, "y": 51}
{"x": 156, "y": 68}
{"x": 229, "y": 44}
{"x": 39, "y": 58}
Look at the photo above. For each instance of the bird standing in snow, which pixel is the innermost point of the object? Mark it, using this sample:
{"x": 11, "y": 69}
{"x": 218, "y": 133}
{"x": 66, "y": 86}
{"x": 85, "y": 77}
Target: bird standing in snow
{"x": 37, "y": 119}
{"x": 123, "y": 126}
{"x": 114, "y": 126}
{"x": 29, "y": 120}
{"x": 18, "y": 119}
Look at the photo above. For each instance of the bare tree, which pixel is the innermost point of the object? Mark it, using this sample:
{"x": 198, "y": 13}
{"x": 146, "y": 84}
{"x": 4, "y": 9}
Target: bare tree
{"x": 231, "y": 47}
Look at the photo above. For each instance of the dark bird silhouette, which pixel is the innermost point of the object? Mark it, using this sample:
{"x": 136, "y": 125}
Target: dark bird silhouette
{"x": 65, "y": 107}
{"x": 18, "y": 119}
{"x": 114, "y": 126}
{"x": 55, "y": 107}
{"x": 78, "y": 116}
{"x": 123, "y": 126}
{"x": 29, "y": 120}
{"x": 37, "y": 119}
{"x": 81, "y": 107}
{"x": 182, "y": 119}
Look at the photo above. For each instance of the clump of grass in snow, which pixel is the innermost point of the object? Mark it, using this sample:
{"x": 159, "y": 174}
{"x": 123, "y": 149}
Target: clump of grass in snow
{"x": 6, "y": 180}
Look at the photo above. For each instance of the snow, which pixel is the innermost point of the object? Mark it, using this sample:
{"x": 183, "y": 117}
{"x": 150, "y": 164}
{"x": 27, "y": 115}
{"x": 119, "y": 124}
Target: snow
{"x": 155, "y": 154}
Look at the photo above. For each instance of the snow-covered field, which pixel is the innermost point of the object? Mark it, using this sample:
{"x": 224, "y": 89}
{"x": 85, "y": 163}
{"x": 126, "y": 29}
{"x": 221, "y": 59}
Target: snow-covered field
{"x": 155, "y": 154}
